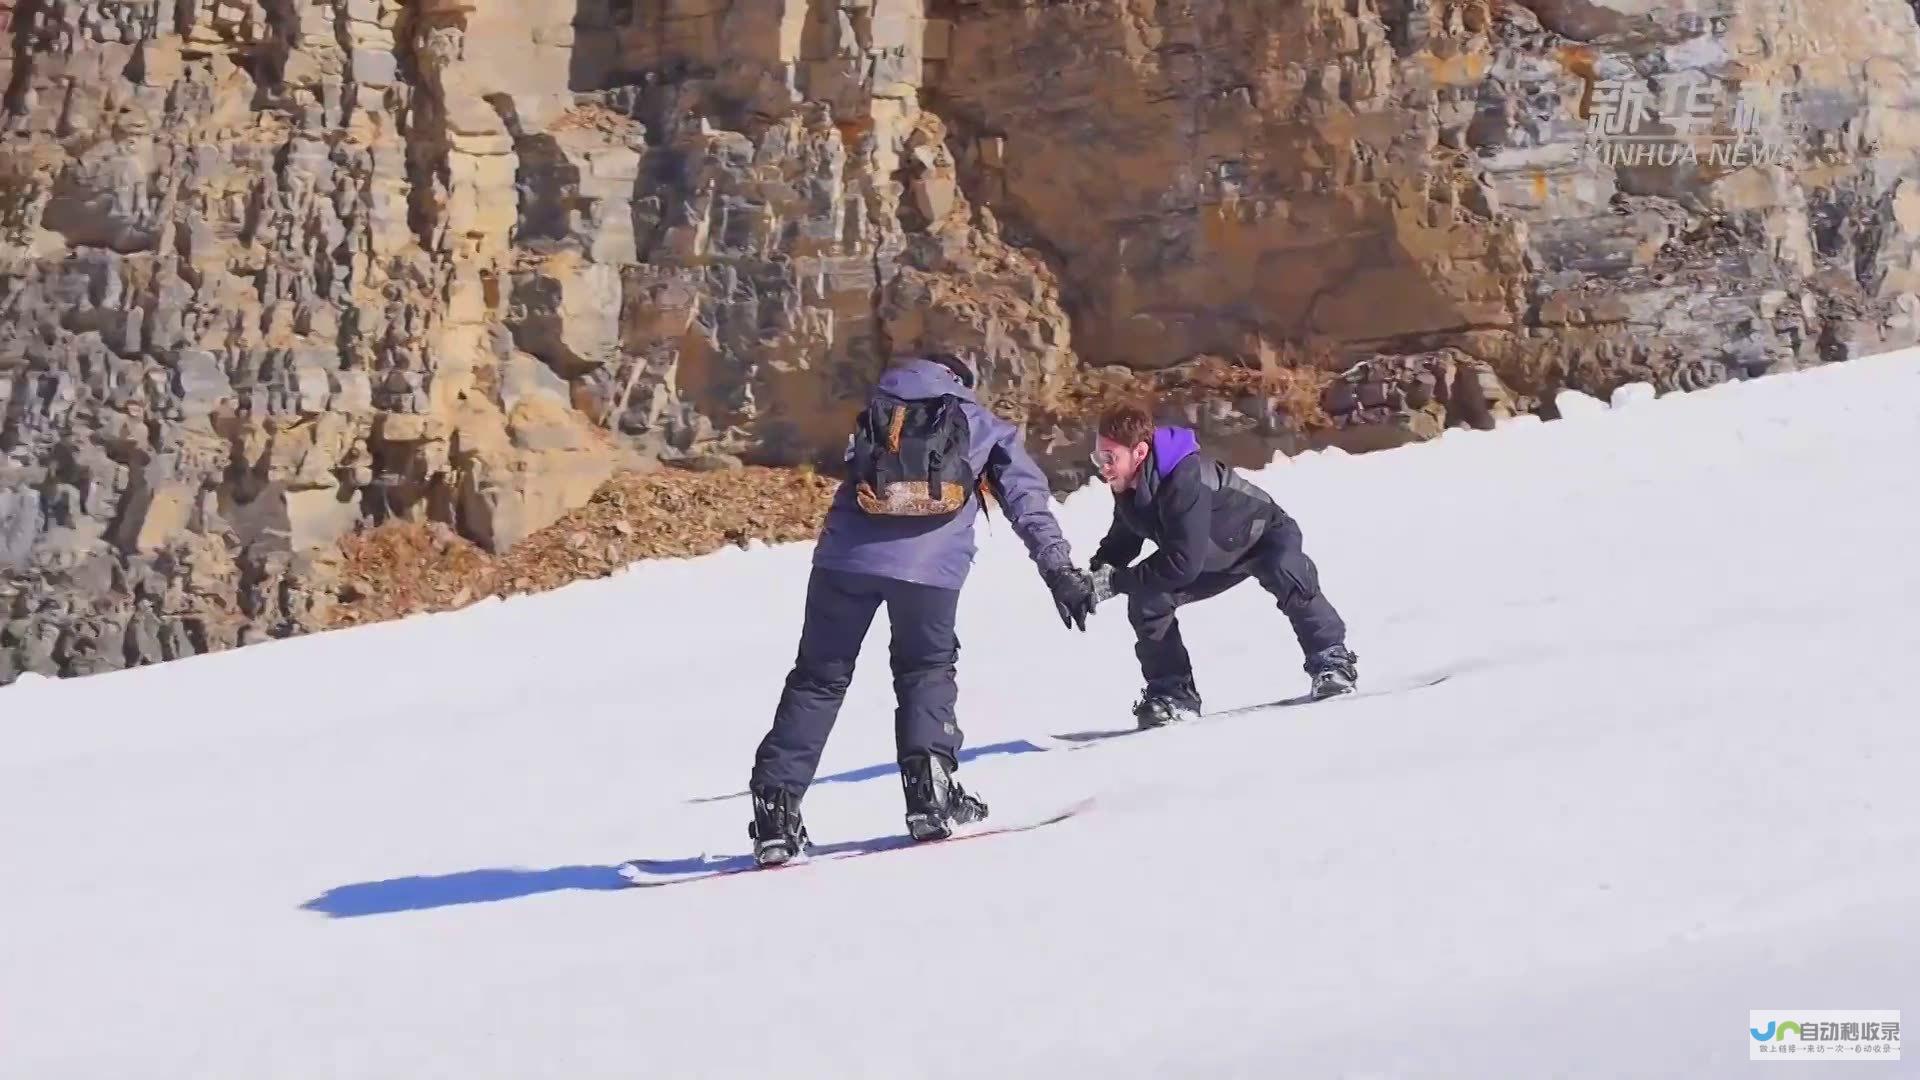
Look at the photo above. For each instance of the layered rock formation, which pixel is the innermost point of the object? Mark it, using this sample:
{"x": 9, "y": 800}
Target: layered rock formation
{"x": 271, "y": 270}
{"x": 1411, "y": 176}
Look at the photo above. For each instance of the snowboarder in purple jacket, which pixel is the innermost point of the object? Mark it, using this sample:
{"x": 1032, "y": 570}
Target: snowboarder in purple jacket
{"x": 916, "y": 566}
{"x": 1212, "y": 530}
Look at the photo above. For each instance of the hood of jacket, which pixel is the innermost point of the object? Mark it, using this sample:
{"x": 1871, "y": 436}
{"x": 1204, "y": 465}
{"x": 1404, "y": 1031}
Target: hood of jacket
{"x": 1171, "y": 446}
{"x": 917, "y": 380}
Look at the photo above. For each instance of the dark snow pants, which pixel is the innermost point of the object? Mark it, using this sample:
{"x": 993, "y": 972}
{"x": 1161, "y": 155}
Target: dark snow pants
{"x": 924, "y": 650}
{"x": 1279, "y": 562}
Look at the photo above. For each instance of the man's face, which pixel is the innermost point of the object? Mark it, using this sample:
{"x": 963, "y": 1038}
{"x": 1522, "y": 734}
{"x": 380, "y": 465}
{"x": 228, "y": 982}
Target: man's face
{"x": 1119, "y": 465}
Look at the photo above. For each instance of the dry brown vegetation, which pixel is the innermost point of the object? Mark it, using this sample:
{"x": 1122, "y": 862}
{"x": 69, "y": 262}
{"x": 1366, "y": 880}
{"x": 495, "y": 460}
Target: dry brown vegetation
{"x": 407, "y": 568}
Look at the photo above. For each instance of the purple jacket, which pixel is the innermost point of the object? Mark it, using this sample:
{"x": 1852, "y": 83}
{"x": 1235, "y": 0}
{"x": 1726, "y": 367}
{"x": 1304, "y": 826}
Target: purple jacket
{"x": 939, "y": 551}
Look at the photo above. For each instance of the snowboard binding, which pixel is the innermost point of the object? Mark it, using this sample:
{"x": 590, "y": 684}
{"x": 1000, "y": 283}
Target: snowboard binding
{"x": 1335, "y": 671}
{"x": 1158, "y": 708}
{"x": 777, "y": 832}
{"x": 936, "y": 802}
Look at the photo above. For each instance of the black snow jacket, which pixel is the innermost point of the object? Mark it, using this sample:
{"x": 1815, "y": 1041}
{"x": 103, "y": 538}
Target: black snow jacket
{"x": 1201, "y": 515}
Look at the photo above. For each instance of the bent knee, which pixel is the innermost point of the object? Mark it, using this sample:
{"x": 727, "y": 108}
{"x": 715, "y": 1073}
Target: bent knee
{"x": 1146, "y": 608}
{"x": 928, "y": 664}
{"x": 834, "y": 677}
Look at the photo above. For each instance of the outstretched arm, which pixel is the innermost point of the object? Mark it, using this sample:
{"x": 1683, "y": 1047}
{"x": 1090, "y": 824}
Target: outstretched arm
{"x": 1021, "y": 488}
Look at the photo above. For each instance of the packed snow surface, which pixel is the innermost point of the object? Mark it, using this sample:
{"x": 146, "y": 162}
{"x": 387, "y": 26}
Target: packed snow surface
{"x": 1672, "y": 775}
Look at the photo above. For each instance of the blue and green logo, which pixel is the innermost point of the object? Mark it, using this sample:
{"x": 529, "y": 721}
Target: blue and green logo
{"x": 1775, "y": 1032}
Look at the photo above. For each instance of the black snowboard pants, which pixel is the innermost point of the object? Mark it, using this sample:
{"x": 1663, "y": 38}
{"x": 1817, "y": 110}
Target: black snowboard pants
{"x": 924, "y": 651}
{"x": 1279, "y": 562}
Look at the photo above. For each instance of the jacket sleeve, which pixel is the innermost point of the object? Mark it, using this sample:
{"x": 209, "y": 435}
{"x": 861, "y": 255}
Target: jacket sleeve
{"x": 1021, "y": 488}
{"x": 1121, "y": 545}
{"x": 1186, "y": 520}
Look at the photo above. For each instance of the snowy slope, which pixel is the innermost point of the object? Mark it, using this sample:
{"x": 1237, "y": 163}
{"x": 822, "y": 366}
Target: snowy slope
{"x": 1671, "y": 779}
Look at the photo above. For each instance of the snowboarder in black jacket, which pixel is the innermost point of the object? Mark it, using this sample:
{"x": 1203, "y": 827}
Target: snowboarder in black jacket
{"x": 1213, "y": 529}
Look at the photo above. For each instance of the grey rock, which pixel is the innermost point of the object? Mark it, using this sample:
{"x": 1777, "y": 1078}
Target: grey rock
{"x": 21, "y": 521}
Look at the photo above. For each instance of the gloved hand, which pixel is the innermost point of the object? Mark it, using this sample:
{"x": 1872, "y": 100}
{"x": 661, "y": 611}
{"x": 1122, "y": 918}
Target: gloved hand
{"x": 1073, "y": 591}
{"x": 1101, "y": 582}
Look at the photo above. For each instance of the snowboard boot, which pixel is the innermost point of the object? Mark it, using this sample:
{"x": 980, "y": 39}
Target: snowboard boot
{"x": 777, "y": 832}
{"x": 1167, "y": 701}
{"x": 935, "y": 800}
{"x": 1156, "y": 709}
{"x": 1335, "y": 671}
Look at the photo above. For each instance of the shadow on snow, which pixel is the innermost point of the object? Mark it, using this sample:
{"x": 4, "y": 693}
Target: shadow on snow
{"x": 890, "y": 768}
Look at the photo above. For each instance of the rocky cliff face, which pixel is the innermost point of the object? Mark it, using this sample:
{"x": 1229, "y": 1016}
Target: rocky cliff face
{"x": 272, "y": 270}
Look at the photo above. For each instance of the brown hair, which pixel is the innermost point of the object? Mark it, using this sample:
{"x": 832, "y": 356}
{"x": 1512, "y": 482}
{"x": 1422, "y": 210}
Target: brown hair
{"x": 1128, "y": 425}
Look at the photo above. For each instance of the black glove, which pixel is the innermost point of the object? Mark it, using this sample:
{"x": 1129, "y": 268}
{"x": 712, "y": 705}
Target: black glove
{"x": 1072, "y": 596}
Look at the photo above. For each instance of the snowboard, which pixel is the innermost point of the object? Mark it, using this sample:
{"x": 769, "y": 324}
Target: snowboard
{"x": 1086, "y": 738}
{"x": 1420, "y": 683}
{"x": 653, "y": 873}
